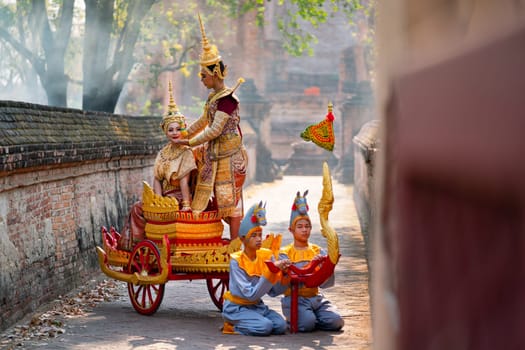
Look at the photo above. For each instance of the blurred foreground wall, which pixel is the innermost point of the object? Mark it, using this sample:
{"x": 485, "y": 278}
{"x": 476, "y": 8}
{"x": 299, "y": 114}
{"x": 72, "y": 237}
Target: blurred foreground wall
{"x": 449, "y": 265}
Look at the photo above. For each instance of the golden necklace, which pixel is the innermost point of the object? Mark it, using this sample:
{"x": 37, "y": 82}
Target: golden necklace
{"x": 171, "y": 151}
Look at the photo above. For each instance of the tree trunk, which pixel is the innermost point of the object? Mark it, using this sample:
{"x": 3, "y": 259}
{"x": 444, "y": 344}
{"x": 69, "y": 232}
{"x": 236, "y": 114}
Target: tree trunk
{"x": 55, "y": 86}
{"x": 103, "y": 82}
{"x": 51, "y": 70}
{"x": 105, "y": 101}
{"x": 99, "y": 24}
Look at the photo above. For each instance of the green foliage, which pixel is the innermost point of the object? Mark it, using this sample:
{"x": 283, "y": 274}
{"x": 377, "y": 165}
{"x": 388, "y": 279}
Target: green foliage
{"x": 295, "y": 14}
{"x": 169, "y": 39}
{"x": 168, "y": 34}
{"x": 149, "y": 107}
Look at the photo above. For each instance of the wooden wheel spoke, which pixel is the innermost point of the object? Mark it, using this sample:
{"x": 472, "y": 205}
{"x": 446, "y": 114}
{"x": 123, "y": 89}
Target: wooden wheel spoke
{"x": 135, "y": 265}
{"x": 145, "y": 259}
{"x": 144, "y": 294}
{"x": 144, "y": 255}
{"x": 216, "y": 289}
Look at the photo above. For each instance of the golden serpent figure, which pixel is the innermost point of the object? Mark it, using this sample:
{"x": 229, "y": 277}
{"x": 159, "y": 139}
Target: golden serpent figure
{"x": 324, "y": 207}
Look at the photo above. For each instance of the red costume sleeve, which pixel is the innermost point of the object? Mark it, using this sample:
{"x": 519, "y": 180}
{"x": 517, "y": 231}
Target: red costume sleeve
{"x": 227, "y": 104}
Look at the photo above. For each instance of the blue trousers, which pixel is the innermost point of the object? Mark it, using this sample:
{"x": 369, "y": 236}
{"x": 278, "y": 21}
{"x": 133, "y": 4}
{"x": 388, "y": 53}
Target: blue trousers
{"x": 314, "y": 313}
{"x": 258, "y": 320}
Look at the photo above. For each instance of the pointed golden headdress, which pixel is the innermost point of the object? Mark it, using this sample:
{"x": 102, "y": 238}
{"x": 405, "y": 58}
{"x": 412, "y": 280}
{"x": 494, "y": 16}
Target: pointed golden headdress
{"x": 210, "y": 55}
{"x": 173, "y": 114}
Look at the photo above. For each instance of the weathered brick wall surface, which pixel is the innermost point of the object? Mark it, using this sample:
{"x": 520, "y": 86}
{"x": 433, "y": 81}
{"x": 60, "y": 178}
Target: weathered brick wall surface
{"x": 35, "y": 136}
{"x": 64, "y": 173}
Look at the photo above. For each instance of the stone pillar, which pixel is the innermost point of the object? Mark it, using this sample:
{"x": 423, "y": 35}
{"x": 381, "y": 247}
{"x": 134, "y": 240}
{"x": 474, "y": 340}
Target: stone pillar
{"x": 255, "y": 110}
{"x": 355, "y": 112}
{"x": 348, "y": 72}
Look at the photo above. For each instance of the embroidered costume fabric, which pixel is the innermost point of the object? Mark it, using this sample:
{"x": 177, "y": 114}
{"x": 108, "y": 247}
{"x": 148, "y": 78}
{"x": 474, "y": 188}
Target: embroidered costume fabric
{"x": 243, "y": 307}
{"x": 221, "y": 158}
{"x": 172, "y": 164}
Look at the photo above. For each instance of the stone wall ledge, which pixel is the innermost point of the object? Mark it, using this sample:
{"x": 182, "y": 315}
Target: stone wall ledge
{"x": 36, "y": 136}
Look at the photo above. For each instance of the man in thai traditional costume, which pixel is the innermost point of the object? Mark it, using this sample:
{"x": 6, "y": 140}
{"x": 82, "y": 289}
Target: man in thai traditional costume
{"x": 244, "y": 311}
{"x": 314, "y": 310}
{"x": 221, "y": 156}
{"x": 173, "y": 168}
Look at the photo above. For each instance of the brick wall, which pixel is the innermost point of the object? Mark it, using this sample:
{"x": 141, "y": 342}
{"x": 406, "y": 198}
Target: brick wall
{"x": 64, "y": 173}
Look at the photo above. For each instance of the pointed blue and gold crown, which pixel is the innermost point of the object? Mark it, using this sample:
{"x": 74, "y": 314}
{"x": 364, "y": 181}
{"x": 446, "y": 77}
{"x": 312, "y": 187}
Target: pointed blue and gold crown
{"x": 299, "y": 209}
{"x": 253, "y": 220}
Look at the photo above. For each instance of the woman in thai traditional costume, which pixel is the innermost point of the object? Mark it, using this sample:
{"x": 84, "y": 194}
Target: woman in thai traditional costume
{"x": 220, "y": 155}
{"x": 173, "y": 168}
{"x": 174, "y": 162}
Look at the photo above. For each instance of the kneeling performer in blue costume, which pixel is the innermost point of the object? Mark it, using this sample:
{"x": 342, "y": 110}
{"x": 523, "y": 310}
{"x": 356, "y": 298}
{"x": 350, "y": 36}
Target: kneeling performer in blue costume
{"x": 244, "y": 311}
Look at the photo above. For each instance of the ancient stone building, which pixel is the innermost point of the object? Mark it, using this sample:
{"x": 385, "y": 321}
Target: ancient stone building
{"x": 300, "y": 88}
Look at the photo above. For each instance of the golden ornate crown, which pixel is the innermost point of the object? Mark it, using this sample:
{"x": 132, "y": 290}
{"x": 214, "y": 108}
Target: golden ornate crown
{"x": 173, "y": 114}
{"x": 210, "y": 55}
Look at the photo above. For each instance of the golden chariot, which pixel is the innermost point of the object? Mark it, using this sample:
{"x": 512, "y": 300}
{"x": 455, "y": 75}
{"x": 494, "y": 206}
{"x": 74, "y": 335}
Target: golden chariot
{"x": 181, "y": 245}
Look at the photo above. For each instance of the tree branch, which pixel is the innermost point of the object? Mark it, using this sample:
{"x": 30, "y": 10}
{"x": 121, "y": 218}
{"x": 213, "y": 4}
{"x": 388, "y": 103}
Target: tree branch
{"x": 123, "y": 59}
{"x": 64, "y": 27}
{"x": 37, "y": 62}
{"x": 39, "y": 14}
{"x": 172, "y": 67}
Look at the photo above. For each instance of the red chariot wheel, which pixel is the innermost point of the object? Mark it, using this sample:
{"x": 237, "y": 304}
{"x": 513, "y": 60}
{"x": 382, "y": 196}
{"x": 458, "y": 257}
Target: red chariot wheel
{"x": 145, "y": 260}
{"x": 217, "y": 287}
